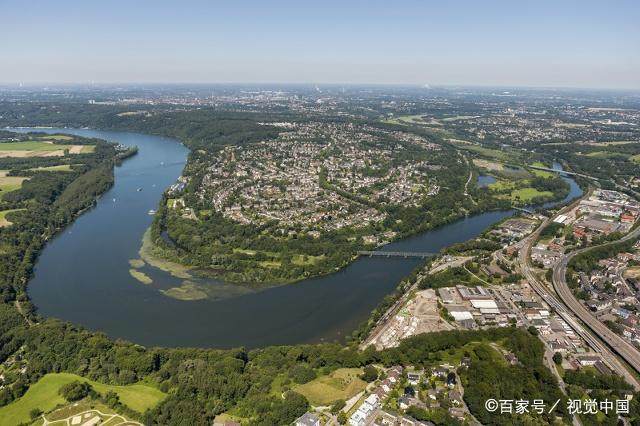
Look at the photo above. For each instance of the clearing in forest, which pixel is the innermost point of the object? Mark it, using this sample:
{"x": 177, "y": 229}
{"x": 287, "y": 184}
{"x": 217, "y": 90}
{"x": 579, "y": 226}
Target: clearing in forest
{"x": 343, "y": 383}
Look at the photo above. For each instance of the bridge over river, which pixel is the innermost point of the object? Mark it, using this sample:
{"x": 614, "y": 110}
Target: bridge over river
{"x": 405, "y": 254}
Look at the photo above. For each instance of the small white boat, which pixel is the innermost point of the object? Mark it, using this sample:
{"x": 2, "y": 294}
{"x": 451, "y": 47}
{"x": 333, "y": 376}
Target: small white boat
{"x": 151, "y": 212}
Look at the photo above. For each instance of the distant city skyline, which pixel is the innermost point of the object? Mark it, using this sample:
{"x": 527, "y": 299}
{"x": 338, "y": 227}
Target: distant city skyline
{"x": 573, "y": 44}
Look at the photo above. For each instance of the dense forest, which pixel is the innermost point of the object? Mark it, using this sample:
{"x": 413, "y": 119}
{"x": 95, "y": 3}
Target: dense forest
{"x": 607, "y": 163}
{"x": 204, "y": 382}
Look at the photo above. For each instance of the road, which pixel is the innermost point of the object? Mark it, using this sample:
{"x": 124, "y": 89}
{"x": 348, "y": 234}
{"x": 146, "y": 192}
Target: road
{"x": 383, "y": 323}
{"x": 623, "y": 348}
{"x": 548, "y": 358}
{"x": 466, "y": 185}
{"x": 567, "y": 312}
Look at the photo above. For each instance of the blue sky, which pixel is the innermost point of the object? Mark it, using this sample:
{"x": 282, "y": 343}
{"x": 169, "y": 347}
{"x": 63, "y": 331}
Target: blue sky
{"x": 530, "y": 43}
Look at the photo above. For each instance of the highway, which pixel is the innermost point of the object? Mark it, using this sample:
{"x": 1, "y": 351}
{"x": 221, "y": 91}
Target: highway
{"x": 567, "y": 312}
{"x": 623, "y": 348}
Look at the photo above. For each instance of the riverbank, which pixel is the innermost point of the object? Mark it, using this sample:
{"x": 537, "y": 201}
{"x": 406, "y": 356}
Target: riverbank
{"x": 91, "y": 260}
{"x": 164, "y": 255}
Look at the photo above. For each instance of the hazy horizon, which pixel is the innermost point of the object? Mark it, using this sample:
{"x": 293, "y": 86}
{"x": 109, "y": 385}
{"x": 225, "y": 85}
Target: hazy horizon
{"x": 319, "y": 84}
{"x": 573, "y": 45}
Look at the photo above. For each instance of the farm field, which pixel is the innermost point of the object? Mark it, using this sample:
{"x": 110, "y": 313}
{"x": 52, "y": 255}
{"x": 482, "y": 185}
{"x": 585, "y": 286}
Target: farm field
{"x": 31, "y": 145}
{"x": 44, "y": 396}
{"x": 40, "y": 148}
{"x": 343, "y": 383}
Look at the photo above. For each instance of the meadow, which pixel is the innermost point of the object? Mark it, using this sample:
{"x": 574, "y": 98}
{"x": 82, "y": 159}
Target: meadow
{"x": 44, "y": 395}
{"x": 3, "y": 216}
{"x": 41, "y": 148}
{"x": 58, "y": 168}
{"x": 9, "y": 183}
{"x": 343, "y": 383}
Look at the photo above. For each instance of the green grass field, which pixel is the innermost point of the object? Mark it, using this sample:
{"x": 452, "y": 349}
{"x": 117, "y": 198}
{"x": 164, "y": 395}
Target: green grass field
{"x": 57, "y": 137}
{"x": 44, "y": 395}
{"x": 31, "y": 146}
{"x": 3, "y": 216}
{"x": 607, "y": 154}
{"x": 58, "y": 168}
{"x": 502, "y": 185}
{"x": 541, "y": 173}
{"x": 528, "y": 194}
{"x": 44, "y": 146}
{"x": 343, "y": 383}
{"x": 270, "y": 263}
{"x": 459, "y": 117}
{"x": 488, "y": 152}
{"x": 406, "y": 119}
{"x": 302, "y": 260}
{"x": 296, "y": 259}
{"x": 10, "y": 183}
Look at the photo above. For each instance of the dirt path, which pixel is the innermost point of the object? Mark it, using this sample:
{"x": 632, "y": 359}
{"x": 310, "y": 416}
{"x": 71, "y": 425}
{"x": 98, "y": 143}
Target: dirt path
{"x": 466, "y": 185}
{"x": 107, "y": 417}
{"x": 19, "y": 308}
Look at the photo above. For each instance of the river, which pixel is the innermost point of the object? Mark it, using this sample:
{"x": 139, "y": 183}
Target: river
{"x": 82, "y": 275}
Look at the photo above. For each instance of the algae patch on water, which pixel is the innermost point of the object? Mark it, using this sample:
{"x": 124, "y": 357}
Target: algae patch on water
{"x": 187, "y": 291}
{"x": 140, "y": 276}
{"x": 136, "y": 263}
